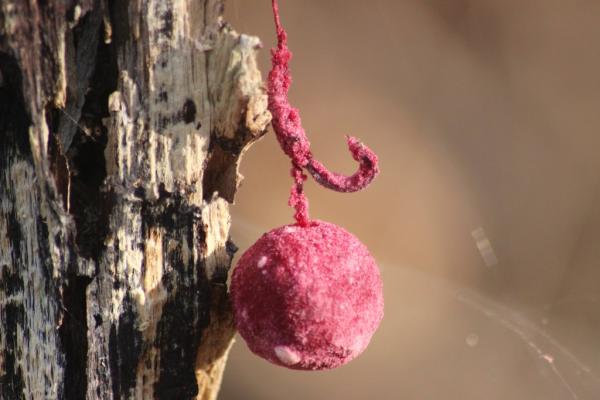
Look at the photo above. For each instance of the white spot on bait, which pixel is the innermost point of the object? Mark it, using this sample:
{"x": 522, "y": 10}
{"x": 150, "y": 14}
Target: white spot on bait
{"x": 359, "y": 344}
{"x": 262, "y": 262}
{"x": 286, "y": 355}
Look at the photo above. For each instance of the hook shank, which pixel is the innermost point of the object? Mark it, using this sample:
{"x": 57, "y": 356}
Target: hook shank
{"x": 292, "y": 137}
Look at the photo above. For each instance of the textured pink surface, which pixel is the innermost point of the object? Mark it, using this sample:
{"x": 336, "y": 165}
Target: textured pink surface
{"x": 294, "y": 142}
{"x": 307, "y": 297}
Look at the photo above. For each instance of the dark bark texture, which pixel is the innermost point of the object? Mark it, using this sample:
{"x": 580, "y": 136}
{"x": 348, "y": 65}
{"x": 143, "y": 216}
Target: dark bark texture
{"x": 122, "y": 123}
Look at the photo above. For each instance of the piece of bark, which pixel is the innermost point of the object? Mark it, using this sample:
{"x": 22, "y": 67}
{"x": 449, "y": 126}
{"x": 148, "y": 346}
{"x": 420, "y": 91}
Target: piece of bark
{"x": 122, "y": 124}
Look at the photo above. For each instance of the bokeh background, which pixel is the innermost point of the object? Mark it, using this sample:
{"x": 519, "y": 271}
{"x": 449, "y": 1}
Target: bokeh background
{"x": 485, "y": 219}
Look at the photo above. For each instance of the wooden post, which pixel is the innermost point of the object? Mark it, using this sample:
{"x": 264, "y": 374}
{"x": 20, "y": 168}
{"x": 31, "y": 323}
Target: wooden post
{"x": 122, "y": 123}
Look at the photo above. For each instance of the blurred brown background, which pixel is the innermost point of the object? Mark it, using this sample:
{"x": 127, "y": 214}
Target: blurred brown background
{"x": 485, "y": 115}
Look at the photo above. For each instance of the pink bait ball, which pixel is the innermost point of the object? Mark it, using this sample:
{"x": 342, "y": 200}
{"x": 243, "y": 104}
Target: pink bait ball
{"x": 308, "y": 297}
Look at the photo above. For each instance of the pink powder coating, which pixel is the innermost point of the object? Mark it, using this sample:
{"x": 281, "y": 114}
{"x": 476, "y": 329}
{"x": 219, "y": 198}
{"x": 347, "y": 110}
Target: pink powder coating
{"x": 307, "y": 297}
{"x": 297, "y": 198}
{"x": 294, "y": 142}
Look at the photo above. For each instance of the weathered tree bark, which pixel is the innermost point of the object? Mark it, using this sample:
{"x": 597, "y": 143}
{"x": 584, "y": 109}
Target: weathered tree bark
{"x": 121, "y": 127}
